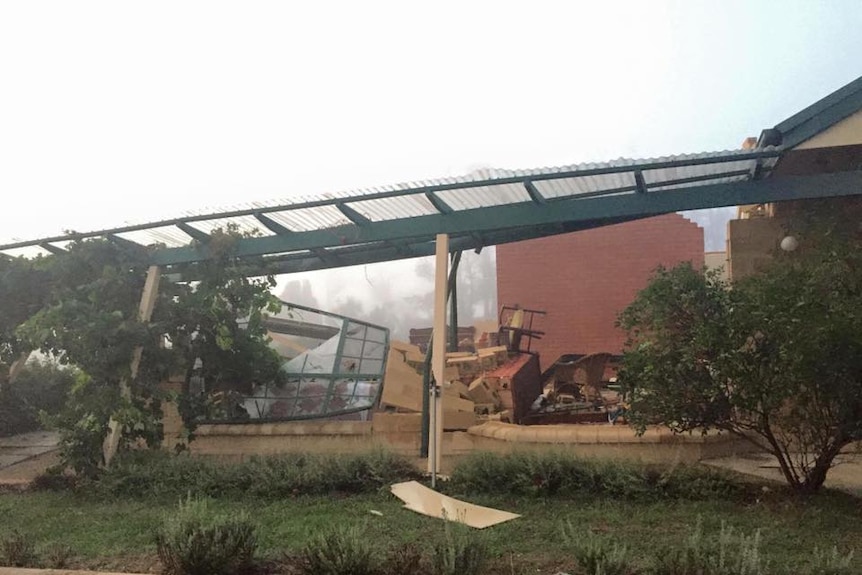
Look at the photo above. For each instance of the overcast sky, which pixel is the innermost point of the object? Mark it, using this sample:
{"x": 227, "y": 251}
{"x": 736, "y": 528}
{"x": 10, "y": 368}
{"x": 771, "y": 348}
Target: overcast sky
{"x": 119, "y": 111}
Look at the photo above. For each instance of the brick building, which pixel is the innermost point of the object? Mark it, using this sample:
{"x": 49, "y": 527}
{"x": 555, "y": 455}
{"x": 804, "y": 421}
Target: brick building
{"x": 584, "y": 279}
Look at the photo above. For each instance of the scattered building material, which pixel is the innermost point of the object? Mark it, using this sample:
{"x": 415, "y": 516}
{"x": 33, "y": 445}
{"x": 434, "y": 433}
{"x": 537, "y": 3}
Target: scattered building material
{"x": 418, "y": 498}
{"x": 402, "y": 385}
{"x": 516, "y": 326}
{"x": 421, "y": 337}
{"x": 519, "y": 383}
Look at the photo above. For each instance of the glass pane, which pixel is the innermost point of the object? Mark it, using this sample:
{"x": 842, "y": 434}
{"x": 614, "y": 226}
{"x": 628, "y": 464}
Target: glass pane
{"x": 375, "y": 334}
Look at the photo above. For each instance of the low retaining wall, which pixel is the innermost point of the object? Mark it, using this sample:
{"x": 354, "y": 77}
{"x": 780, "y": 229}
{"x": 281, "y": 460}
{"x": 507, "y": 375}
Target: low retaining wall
{"x": 401, "y": 433}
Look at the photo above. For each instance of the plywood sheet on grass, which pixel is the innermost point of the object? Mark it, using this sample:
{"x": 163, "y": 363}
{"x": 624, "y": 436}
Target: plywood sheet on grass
{"x": 421, "y": 499}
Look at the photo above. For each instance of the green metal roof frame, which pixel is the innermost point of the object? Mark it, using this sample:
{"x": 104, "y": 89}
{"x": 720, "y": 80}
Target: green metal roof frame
{"x": 821, "y": 115}
{"x": 363, "y": 240}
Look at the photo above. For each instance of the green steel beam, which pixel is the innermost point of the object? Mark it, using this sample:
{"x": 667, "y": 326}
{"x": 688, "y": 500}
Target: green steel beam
{"x": 272, "y": 225}
{"x": 534, "y": 193}
{"x": 821, "y": 115}
{"x": 384, "y": 252}
{"x": 526, "y": 214}
{"x": 195, "y": 233}
{"x": 439, "y": 204}
{"x": 640, "y": 182}
{"x": 52, "y": 249}
{"x": 353, "y": 215}
{"x": 455, "y": 259}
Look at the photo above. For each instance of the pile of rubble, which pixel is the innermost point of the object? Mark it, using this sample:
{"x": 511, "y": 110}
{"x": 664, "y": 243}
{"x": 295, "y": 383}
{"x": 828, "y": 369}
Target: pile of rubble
{"x": 478, "y": 385}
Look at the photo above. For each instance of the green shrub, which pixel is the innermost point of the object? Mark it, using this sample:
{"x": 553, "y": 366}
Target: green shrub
{"x": 723, "y": 553}
{"x": 459, "y": 553}
{"x": 596, "y": 555}
{"x": 18, "y": 550}
{"x": 341, "y": 551}
{"x": 54, "y": 478}
{"x": 160, "y": 474}
{"x": 404, "y": 559}
{"x": 199, "y": 541}
{"x": 57, "y": 555}
{"x": 831, "y": 563}
{"x": 564, "y": 475}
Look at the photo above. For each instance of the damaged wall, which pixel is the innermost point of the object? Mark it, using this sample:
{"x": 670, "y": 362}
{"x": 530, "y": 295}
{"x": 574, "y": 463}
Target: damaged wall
{"x": 583, "y": 280}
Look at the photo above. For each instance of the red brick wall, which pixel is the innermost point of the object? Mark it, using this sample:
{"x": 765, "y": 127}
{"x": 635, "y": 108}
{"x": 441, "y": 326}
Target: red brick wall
{"x": 584, "y": 279}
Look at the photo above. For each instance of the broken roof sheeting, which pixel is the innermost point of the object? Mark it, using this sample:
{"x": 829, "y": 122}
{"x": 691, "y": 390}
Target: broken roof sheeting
{"x": 480, "y": 189}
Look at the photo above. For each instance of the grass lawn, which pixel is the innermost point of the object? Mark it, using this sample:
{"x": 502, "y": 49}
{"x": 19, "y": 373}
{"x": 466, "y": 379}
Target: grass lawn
{"x": 115, "y": 534}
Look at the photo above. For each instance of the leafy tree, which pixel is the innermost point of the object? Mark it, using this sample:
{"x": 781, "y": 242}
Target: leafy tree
{"x": 90, "y": 320}
{"x": 776, "y": 360}
{"x": 82, "y": 307}
{"x": 216, "y": 328}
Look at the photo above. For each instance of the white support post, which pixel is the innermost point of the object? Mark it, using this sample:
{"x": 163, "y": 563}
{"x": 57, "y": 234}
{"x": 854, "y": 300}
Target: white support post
{"x": 438, "y": 357}
{"x": 145, "y": 312}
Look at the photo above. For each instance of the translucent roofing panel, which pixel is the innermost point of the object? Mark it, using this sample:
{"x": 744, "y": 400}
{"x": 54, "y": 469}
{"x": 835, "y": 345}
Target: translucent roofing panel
{"x": 394, "y": 208}
{"x": 484, "y": 196}
{"x": 245, "y": 224}
{"x": 307, "y": 219}
{"x": 170, "y": 236}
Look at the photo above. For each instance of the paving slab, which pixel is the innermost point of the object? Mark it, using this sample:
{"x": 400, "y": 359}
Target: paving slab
{"x": 846, "y": 475}
{"x": 31, "y": 439}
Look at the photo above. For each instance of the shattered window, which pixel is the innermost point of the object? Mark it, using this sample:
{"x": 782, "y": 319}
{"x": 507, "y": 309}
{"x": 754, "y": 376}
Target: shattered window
{"x": 333, "y": 367}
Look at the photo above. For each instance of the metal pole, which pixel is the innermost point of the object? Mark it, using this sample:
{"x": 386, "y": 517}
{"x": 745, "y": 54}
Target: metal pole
{"x": 426, "y": 370}
{"x": 453, "y": 305}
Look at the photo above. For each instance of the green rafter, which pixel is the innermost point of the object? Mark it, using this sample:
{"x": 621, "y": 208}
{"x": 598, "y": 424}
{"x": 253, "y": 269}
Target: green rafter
{"x": 193, "y": 232}
{"x": 272, "y": 225}
{"x": 353, "y": 215}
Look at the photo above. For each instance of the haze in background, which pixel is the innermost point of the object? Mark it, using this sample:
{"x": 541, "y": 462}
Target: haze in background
{"x": 115, "y": 112}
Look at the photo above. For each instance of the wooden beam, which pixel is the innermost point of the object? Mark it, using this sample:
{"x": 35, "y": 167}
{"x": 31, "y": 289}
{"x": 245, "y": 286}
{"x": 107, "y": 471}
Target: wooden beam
{"x": 145, "y": 313}
{"x": 438, "y": 356}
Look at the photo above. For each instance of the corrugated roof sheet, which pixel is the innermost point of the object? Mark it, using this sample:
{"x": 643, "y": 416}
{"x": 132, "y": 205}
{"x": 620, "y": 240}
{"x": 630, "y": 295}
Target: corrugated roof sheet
{"x": 481, "y": 188}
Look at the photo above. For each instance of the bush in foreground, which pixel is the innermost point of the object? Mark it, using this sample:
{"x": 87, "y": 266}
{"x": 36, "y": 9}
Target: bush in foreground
{"x": 200, "y": 541}
{"x": 342, "y": 551}
{"x": 18, "y": 550}
{"x": 160, "y": 474}
{"x": 564, "y": 475}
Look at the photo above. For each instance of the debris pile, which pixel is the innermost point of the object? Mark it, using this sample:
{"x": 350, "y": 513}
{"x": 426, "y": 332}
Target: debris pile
{"x": 478, "y": 384}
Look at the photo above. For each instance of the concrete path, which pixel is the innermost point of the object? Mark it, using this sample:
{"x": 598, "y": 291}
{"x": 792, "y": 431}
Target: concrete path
{"x": 846, "y": 475}
{"x": 23, "y": 457}
{"x": 21, "y": 571}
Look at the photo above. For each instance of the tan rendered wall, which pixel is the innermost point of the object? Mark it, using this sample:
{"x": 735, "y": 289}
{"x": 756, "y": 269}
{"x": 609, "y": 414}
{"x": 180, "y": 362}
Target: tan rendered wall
{"x": 847, "y": 132}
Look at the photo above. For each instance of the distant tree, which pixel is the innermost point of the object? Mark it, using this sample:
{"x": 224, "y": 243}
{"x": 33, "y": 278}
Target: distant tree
{"x": 776, "y": 360}
{"x": 24, "y": 287}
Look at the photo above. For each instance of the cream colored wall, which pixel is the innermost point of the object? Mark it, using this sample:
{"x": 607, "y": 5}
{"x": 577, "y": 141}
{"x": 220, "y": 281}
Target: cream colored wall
{"x": 717, "y": 260}
{"x": 847, "y": 132}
